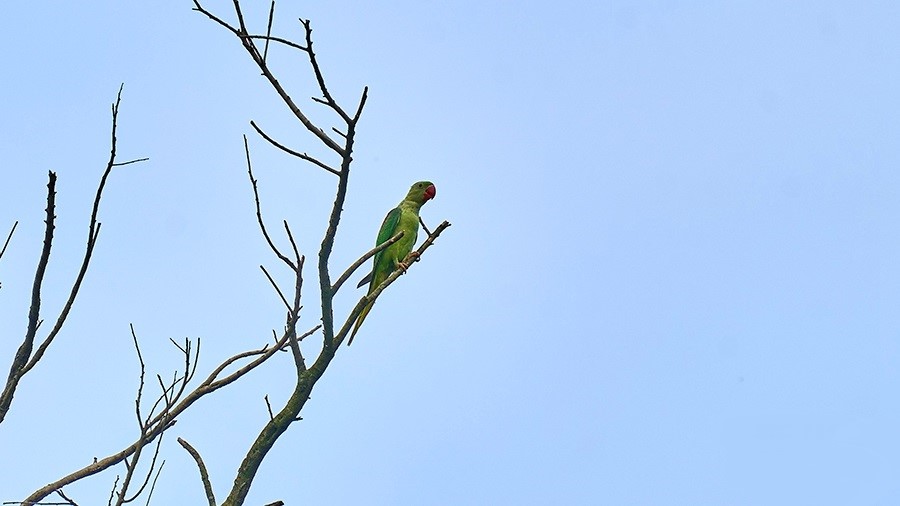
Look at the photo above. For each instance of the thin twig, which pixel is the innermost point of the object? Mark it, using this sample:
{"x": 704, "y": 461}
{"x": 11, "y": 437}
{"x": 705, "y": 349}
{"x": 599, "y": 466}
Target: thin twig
{"x": 66, "y": 498}
{"x": 153, "y": 485}
{"x": 149, "y": 473}
{"x": 175, "y": 343}
{"x": 275, "y": 286}
{"x": 129, "y": 162}
{"x": 362, "y": 103}
{"x": 302, "y": 156}
{"x": 8, "y": 237}
{"x": 259, "y": 218}
{"x": 424, "y": 227}
{"x": 319, "y": 77}
{"x": 279, "y": 40}
{"x": 269, "y": 408}
{"x": 297, "y": 257}
{"x": 269, "y": 30}
{"x": 112, "y": 492}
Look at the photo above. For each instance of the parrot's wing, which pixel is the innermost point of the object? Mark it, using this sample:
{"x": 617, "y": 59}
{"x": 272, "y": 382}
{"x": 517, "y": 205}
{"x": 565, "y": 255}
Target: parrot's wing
{"x": 388, "y": 229}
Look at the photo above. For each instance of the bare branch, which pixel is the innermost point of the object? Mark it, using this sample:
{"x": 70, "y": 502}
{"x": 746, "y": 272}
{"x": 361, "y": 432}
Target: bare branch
{"x": 319, "y": 78}
{"x": 362, "y": 103}
{"x": 130, "y": 468}
{"x": 39, "y": 503}
{"x": 269, "y": 407}
{"x": 269, "y": 30}
{"x": 68, "y": 500}
{"x": 275, "y": 286}
{"x": 240, "y": 16}
{"x": 93, "y": 232}
{"x": 302, "y": 156}
{"x": 204, "y": 474}
{"x": 268, "y": 38}
{"x": 8, "y": 238}
{"x": 287, "y": 230}
{"x": 153, "y": 485}
{"x": 299, "y": 362}
{"x": 199, "y": 8}
{"x": 140, "y": 391}
{"x": 112, "y": 492}
{"x": 294, "y": 314}
{"x": 259, "y": 218}
{"x": 129, "y": 162}
{"x": 20, "y": 361}
{"x": 424, "y": 226}
{"x": 166, "y": 419}
{"x": 149, "y": 473}
{"x": 248, "y": 44}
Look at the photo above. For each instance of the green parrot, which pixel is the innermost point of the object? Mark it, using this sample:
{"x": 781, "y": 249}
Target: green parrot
{"x": 404, "y": 217}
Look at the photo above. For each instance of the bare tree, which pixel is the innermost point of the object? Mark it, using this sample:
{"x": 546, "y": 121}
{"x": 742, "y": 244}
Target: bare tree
{"x": 175, "y": 395}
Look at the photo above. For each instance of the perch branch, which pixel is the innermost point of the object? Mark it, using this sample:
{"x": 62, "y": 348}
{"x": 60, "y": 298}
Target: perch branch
{"x": 369, "y": 254}
{"x": 339, "y": 338}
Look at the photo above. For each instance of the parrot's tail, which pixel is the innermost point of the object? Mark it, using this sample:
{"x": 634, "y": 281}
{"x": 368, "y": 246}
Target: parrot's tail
{"x": 359, "y": 320}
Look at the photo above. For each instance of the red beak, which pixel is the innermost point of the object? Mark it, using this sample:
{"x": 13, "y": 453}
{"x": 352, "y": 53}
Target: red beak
{"x": 430, "y": 192}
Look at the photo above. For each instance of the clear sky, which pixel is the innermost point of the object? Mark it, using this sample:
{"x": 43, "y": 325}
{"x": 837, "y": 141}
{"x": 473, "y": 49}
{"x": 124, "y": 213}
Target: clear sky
{"x": 672, "y": 276}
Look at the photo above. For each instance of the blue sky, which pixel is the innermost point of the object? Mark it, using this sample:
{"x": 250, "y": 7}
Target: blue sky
{"x": 671, "y": 276}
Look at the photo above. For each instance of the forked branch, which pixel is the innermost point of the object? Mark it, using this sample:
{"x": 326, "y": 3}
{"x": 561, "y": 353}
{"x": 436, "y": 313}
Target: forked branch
{"x": 247, "y": 40}
{"x": 26, "y": 356}
{"x": 158, "y": 423}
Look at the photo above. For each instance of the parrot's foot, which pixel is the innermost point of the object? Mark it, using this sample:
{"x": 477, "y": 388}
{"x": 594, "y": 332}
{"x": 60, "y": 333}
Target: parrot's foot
{"x": 413, "y": 257}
